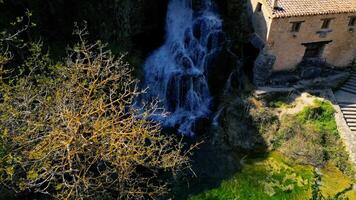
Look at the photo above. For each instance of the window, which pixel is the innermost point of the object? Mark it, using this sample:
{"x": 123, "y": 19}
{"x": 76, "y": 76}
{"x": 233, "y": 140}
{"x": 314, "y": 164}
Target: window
{"x": 259, "y": 7}
{"x": 296, "y": 26}
{"x": 326, "y": 23}
{"x": 352, "y": 21}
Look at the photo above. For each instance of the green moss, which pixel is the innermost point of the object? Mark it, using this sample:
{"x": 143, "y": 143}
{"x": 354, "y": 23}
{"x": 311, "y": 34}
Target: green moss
{"x": 278, "y": 101}
{"x": 279, "y": 104}
{"x": 304, "y": 140}
{"x": 311, "y": 137}
{"x": 273, "y": 177}
{"x": 277, "y": 177}
{"x": 320, "y": 115}
{"x": 335, "y": 182}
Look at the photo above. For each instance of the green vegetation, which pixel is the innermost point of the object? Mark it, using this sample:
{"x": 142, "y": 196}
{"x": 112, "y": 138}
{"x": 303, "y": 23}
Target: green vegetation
{"x": 311, "y": 137}
{"x": 265, "y": 178}
{"x": 321, "y": 116}
{"x": 278, "y": 101}
{"x": 335, "y": 183}
{"x": 276, "y": 177}
{"x": 307, "y": 162}
{"x": 65, "y": 128}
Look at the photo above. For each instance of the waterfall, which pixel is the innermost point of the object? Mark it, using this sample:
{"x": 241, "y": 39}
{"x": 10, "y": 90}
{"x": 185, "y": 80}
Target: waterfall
{"x": 176, "y": 73}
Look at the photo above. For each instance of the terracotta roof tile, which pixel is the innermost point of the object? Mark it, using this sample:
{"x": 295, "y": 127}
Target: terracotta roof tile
{"x": 289, "y": 8}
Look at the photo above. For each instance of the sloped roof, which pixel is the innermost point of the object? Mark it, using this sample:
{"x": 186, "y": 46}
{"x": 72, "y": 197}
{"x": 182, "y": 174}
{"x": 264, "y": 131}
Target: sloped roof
{"x": 290, "y": 8}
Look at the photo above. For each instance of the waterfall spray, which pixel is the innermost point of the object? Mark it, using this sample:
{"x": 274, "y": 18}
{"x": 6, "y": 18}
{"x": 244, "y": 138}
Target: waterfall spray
{"x": 176, "y": 73}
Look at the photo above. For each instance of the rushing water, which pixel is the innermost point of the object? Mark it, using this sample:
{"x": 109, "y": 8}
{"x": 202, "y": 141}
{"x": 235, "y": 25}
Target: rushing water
{"x": 176, "y": 73}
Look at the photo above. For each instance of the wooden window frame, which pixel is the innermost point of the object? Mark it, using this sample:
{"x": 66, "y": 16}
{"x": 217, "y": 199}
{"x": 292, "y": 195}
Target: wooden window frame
{"x": 326, "y": 22}
{"x": 296, "y": 26}
{"x": 352, "y": 21}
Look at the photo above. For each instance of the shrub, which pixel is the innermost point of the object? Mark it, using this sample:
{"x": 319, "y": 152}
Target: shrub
{"x": 74, "y": 134}
{"x": 320, "y": 114}
{"x": 266, "y": 122}
{"x": 311, "y": 137}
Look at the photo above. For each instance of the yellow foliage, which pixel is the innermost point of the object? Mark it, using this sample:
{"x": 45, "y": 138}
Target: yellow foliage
{"x": 334, "y": 181}
{"x": 32, "y": 175}
{"x": 10, "y": 170}
{"x": 80, "y": 134}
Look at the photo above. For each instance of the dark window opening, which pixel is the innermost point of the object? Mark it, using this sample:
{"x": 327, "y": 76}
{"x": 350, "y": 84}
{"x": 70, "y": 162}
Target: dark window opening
{"x": 259, "y": 7}
{"x": 296, "y": 26}
{"x": 326, "y": 23}
{"x": 352, "y": 21}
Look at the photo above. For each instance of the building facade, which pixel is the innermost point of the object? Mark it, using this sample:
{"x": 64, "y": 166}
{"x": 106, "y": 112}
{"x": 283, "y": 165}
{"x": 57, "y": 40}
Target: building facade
{"x": 297, "y": 30}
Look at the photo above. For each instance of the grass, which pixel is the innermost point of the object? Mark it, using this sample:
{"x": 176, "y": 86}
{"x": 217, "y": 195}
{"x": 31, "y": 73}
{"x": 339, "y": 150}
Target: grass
{"x": 265, "y": 178}
{"x": 276, "y": 177}
{"x": 306, "y": 140}
{"x": 311, "y": 137}
{"x": 335, "y": 182}
{"x": 278, "y": 101}
{"x": 320, "y": 115}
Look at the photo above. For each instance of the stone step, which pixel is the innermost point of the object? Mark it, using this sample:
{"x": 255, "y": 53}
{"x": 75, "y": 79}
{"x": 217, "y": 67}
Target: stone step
{"x": 350, "y": 120}
{"x": 352, "y": 80}
{"x": 346, "y": 102}
{"x": 347, "y": 105}
{"x": 350, "y": 83}
{"x": 351, "y": 87}
{"x": 347, "y": 116}
{"x": 353, "y": 128}
{"x": 348, "y": 90}
{"x": 351, "y": 124}
{"x": 348, "y": 109}
{"x": 349, "y": 112}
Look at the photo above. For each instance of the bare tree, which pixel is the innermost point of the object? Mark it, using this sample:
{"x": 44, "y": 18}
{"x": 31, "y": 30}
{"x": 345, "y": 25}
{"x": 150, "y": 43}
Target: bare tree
{"x": 76, "y": 135}
{"x": 12, "y": 39}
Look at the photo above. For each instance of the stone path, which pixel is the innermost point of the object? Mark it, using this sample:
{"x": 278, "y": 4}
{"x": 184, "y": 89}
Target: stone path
{"x": 345, "y": 98}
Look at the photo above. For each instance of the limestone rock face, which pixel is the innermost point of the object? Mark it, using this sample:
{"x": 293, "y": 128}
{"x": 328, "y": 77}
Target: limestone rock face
{"x": 263, "y": 68}
{"x": 235, "y": 129}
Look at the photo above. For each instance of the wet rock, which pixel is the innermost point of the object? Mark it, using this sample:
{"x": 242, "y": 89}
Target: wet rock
{"x": 310, "y": 72}
{"x": 332, "y": 81}
{"x": 257, "y": 42}
{"x": 263, "y": 68}
{"x": 283, "y": 79}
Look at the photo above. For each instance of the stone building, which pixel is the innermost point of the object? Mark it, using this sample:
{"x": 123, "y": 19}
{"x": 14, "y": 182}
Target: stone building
{"x": 292, "y": 31}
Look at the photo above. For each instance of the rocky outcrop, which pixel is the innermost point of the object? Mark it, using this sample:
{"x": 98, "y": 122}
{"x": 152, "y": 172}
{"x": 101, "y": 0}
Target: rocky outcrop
{"x": 308, "y": 74}
{"x": 331, "y": 81}
{"x": 263, "y": 68}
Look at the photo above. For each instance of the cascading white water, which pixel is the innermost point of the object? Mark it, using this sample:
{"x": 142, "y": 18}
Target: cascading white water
{"x": 176, "y": 73}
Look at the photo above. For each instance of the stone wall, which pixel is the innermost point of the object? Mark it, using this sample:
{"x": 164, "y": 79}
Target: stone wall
{"x": 261, "y": 21}
{"x": 287, "y": 46}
